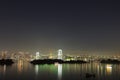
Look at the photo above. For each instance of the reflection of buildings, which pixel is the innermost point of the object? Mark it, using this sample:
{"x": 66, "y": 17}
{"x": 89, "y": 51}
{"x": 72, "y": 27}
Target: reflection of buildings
{"x": 4, "y": 69}
{"x": 60, "y": 71}
{"x": 52, "y": 69}
{"x": 36, "y": 69}
{"x": 109, "y": 69}
{"x": 20, "y": 66}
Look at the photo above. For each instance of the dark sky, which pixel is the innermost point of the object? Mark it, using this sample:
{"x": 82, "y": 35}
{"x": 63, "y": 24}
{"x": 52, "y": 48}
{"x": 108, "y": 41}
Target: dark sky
{"x": 70, "y": 25}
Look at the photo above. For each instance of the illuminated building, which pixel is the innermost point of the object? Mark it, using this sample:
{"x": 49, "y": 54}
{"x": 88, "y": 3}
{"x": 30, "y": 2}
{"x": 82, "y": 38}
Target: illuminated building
{"x": 37, "y": 55}
{"x": 4, "y": 54}
{"x": 60, "y": 54}
{"x": 51, "y": 55}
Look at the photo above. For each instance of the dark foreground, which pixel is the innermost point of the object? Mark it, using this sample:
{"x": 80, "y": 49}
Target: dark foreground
{"x": 110, "y": 61}
{"x": 52, "y": 61}
{"x": 6, "y": 62}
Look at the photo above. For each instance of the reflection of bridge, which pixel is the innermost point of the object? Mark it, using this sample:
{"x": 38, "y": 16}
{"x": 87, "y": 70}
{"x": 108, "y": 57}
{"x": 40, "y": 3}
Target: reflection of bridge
{"x": 51, "y": 68}
{"x": 60, "y": 71}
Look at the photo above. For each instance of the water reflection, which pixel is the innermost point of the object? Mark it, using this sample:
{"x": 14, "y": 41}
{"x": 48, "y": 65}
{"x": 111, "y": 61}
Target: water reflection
{"x": 109, "y": 69}
{"x": 36, "y": 69}
{"x": 78, "y": 71}
{"x": 55, "y": 69}
{"x": 60, "y": 71}
{"x": 20, "y": 66}
{"x": 4, "y": 69}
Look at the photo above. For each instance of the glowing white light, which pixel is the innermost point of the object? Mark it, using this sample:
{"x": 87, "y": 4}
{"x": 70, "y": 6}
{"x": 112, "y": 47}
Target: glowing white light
{"x": 4, "y": 69}
{"x": 36, "y": 69}
{"x": 60, "y": 54}
{"x": 109, "y": 69}
{"x": 109, "y": 66}
{"x": 59, "y": 71}
{"x": 37, "y": 55}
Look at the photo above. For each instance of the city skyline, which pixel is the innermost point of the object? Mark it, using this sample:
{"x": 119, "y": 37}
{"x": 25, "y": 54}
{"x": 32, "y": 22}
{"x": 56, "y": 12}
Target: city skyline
{"x": 91, "y": 26}
{"x": 59, "y": 40}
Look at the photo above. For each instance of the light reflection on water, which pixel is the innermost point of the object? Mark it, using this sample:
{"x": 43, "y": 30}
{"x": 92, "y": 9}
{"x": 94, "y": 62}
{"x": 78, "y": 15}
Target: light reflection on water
{"x": 22, "y": 70}
{"x": 57, "y": 66}
{"x": 36, "y": 69}
{"x": 109, "y": 69}
{"x": 20, "y": 66}
{"x": 60, "y": 71}
{"x": 4, "y": 69}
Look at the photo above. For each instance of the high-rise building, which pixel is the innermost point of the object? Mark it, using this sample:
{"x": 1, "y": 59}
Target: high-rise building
{"x": 4, "y": 54}
{"x": 60, "y": 54}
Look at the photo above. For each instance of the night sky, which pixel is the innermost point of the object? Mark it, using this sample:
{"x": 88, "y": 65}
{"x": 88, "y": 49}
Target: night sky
{"x": 91, "y": 25}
